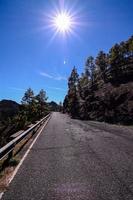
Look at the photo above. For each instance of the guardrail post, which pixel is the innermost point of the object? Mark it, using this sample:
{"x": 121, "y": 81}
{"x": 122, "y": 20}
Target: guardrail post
{"x": 6, "y": 162}
{"x": 34, "y": 131}
{"x": 10, "y": 155}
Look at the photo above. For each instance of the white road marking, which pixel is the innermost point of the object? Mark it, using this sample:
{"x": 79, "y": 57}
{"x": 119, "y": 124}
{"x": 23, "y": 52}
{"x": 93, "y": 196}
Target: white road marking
{"x": 25, "y": 155}
{"x": 1, "y": 194}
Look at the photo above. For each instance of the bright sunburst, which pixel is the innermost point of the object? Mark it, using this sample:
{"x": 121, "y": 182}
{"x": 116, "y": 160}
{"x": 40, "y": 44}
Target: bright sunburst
{"x": 63, "y": 22}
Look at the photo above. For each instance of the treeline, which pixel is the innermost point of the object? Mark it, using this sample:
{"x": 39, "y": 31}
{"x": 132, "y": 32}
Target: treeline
{"x": 15, "y": 117}
{"x": 33, "y": 107}
{"x": 93, "y": 94}
{"x": 19, "y": 116}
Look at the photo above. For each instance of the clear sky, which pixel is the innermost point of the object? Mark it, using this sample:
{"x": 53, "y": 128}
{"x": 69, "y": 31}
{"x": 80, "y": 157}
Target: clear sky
{"x": 32, "y": 56}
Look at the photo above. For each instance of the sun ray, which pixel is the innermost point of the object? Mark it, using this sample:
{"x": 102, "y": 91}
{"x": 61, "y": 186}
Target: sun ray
{"x": 63, "y": 20}
{"x": 53, "y": 37}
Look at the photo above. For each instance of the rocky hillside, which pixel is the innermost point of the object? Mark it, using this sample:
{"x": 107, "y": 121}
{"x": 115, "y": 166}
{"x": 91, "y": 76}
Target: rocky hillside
{"x": 104, "y": 91}
{"x": 112, "y": 104}
{"x": 8, "y": 108}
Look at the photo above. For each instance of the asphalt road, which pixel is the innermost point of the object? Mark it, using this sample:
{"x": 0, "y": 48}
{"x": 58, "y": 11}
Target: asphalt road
{"x": 76, "y": 160}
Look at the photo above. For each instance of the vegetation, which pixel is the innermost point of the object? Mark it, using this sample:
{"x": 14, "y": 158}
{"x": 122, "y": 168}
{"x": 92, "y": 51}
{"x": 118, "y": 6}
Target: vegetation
{"x": 14, "y": 117}
{"x": 53, "y": 106}
{"x": 104, "y": 91}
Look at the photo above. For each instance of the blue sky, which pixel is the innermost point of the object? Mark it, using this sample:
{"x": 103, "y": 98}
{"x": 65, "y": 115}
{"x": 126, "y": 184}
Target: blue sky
{"x": 30, "y": 58}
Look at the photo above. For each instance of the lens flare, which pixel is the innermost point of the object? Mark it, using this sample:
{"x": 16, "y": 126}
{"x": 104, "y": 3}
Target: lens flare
{"x": 63, "y": 22}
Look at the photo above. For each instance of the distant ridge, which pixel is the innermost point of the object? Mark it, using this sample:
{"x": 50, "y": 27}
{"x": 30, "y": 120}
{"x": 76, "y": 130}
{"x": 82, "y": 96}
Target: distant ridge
{"x": 8, "y": 108}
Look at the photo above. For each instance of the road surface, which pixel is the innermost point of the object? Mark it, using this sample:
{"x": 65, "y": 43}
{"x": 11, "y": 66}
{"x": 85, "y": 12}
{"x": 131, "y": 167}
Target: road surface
{"x": 76, "y": 160}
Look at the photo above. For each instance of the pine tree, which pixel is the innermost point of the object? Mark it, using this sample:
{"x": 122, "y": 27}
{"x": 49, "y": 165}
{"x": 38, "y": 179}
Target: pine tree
{"x": 73, "y": 103}
{"x": 28, "y": 96}
{"x": 41, "y": 99}
{"x": 102, "y": 64}
{"x": 130, "y": 48}
{"x": 65, "y": 105}
{"x": 115, "y": 68}
{"x": 73, "y": 79}
{"x": 90, "y": 68}
{"x": 29, "y": 105}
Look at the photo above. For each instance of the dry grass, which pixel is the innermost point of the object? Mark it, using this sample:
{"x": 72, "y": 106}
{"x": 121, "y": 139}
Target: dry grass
{"x": 6, "y": 174}
{"x": 7, "y": 171}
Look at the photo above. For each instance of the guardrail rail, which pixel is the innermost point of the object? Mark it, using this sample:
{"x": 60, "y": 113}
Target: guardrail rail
{"x": 7, "y": 150}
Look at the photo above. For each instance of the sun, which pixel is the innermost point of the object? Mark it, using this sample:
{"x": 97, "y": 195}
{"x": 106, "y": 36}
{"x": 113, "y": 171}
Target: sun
{"x": 63, "y": 22}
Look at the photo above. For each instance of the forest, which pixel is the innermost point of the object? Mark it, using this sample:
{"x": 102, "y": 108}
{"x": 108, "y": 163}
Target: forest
{"x": 104, "y": 91}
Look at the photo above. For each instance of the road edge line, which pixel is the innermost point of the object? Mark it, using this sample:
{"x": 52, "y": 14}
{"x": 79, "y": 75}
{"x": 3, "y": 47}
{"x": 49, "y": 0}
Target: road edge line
{"x": 25, "y": 155}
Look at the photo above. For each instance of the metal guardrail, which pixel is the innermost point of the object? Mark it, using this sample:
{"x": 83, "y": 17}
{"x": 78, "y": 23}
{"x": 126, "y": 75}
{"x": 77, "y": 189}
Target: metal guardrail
{"x": 9, "y": 147}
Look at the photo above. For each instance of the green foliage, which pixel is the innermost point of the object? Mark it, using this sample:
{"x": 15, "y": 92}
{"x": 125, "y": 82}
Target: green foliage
{"x": 13, "y": 162}
{"x": 33, "y": 108}
{"x": 28, "y": 96}
{"x": 121, "y": 62}
{"x": 65, "y": 104}
{"x": 71, "y": 101}
{"x": 90, "y": 68}
{"x": 84, "y": 92}
{"x": 40, "y": 103}
{"x": 102, "y": 64}
{"x": 20, "y": 121}
{"x": 73, "y": 79}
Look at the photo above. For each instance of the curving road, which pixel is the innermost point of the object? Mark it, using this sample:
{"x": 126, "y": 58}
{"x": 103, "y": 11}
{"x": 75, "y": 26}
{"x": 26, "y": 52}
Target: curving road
{"x": 76, "y": 160}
